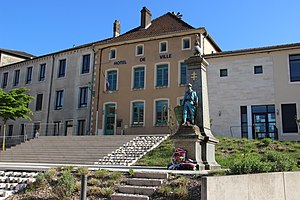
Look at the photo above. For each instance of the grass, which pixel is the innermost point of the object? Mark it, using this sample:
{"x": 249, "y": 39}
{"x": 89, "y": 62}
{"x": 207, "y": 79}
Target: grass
{"x": 227, "y": 150}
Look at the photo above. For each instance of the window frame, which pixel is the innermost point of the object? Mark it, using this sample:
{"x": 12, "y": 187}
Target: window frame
{"x": 42, "y": 72}
{"x": 83, "y": 97}
{"x": 155, "y": 113}
{"x": 59, "y": 99}
{"x": 180, "y": 65}
{"x": 110, "y": 54}
{"x": 258, "y": 69}
{"x": 137, "y": 50}
{"x": 183, "y": 43}
{"x": 133, "y": 77}
{"x": 166, "y": 46}
{"x": 39, "y": 102}
{"x": 86, "y": 64}
{"x": 223, "y": 75}
{"x": 16, "y": 80}
{"x": 132, "y": 114}
{"x": 291, "y": 77}
{"x": 4, "y": 80}
{"x": 29, "y": 72}
{"x": 156, "y": 85}
{"x": 107, "y": 79}
{"x": 61, "y": 72}
{"x": 80, "y": 127}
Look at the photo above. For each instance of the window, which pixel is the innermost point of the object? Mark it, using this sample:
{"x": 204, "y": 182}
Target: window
{"x": 139, "y": 50}
{"x": 112, "y": 80}
{"x": 39, "y": 102}
{"x": 186, "y": 43}
{"x": 22, "y": 129}
{"x": 62, "y": 68}
{"x": 163, "y": 47}
{"x": 10, "y": 130}
{"x": 83, "y": 97}
{"x": 258, "y": 69}
{"x": 28, "y": 75}
{"x": 4, "y": 80}
{"x": 59, "y": 101}
{"x": 223, "y": 72}
{"x": 244, "y": 122}
{"x": 81, "y": 127}
{"x": 162, "y": 75}
{"x": 161, "y": 114}
{"x": 295, "y": 68}
{"x": 16, "y": 77}
{"x": 139, "y": 77}
{"x": 112, "y": 54}
{"x": 85, "y": 64}
{"x": 137, "y": 114}
{"x": 42, "y": 72}
{"x": 56, "y": 128}
{"x": 289, "y": 113}
{"x": 183, "y": 73}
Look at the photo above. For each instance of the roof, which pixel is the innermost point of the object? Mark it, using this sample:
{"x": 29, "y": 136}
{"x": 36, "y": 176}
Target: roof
{"x": 254, "y": 50}
{"x": 21, "y": 54}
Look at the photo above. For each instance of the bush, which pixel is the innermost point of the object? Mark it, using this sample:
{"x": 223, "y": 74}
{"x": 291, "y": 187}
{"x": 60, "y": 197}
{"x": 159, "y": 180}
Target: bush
{"x": 93, "y": 191}
{"x": 165, "y": 190}
{"x": 181, "y": 192}
{"x": 83, "y": 170}
{"x": 101, "y": 173}
{"x": 249, "y": 164}
{"x": 106, "y": 191}
{"x": 65, "y": 185}
{"x": 279, "y": 162}
{"x": 93, "y": 182}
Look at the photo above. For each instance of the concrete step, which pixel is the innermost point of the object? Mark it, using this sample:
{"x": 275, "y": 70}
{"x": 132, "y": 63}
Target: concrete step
{"x": 121, "y": 196}
{"x": 144, "y": 182}
{"x": 151, "y": 175}
{"x": 129, "y": 189}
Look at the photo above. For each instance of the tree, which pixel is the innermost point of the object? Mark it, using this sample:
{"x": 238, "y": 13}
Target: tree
{"x": 13, "y": 105}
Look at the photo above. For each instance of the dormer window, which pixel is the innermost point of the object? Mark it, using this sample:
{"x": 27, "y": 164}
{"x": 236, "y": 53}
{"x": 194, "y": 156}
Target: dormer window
{"x": 112, "y": 54}
{"x": 139, "y": 50}
{"x": 163, "y": 47}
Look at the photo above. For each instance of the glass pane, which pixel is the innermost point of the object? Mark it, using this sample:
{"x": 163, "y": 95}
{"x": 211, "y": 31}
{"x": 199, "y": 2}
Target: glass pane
{"x": 261, "y": 127}
{"x": 271, "y": 127}
{"x": 260, "y": 118}
{"x": 259, "y": 109}
{"x": 271, "y": 117}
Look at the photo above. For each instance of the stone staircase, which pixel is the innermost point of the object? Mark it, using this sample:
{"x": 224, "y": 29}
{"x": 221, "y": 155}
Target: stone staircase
{"x": 140, "y": 187}
{"x": 11, "y": 182}
{"x": 101, "y": 150}
{"x": 64, "y": 149}
{"x": 133, "y": 150}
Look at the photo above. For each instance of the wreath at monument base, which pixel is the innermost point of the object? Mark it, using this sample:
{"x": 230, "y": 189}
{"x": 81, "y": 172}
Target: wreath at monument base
{"x": 180, "y": 161}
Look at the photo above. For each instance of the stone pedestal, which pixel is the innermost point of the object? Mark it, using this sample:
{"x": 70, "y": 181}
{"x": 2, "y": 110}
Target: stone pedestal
{"x": 190, "y": 139}
{"x": 199, "y": 141}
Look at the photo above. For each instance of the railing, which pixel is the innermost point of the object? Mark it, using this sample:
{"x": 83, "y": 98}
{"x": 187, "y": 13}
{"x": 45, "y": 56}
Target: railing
{"x": 14, "y": 140}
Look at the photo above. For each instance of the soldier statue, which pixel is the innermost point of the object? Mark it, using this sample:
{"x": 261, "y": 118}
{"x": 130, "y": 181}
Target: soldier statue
{"x": 190, "y": 102}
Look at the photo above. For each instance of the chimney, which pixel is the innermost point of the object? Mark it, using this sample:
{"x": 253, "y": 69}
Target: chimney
{"x": 116, "y": 28}
{"x": 145, "y": 18}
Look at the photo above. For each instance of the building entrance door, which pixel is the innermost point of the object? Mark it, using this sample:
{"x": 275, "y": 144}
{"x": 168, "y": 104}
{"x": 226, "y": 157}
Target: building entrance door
{"x": 109, "y": 119}
{"x": 264, "y": 122}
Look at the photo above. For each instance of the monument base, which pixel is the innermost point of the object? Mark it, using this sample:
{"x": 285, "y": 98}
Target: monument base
{"x": 190, "y": 139}
{"x": 199, "y": 144}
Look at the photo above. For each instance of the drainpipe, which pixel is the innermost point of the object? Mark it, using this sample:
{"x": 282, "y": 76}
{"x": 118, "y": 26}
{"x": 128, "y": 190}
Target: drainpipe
{"x": 50, "y": 94}
{"x": 92, "y": 90}
{"x": 98, "y": 92}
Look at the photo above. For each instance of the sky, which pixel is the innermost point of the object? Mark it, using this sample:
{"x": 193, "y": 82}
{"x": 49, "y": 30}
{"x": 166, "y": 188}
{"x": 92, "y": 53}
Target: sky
{"x": 41, "y": 27}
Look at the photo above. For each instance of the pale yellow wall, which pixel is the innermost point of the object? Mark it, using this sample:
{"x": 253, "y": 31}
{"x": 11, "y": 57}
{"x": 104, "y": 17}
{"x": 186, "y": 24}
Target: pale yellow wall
{"x": 125, "y": 94}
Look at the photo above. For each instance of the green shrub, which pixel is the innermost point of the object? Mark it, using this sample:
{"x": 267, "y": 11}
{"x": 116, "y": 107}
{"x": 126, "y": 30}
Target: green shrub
{"x": 180, "y": 181}
{"x": 41, "y": 181}
{"x": 83, "y": 170}
{"x": 131, "y": 172}
{"x": 93, "y": 191}
{"x": 249, "y": 164}
{"x": 181, "y": 192}
{"x": 165, "y": 190}
{"x": 116, "y": 176}
{"x": 101, "y": 173}
{"x": 93, "y": 182}
{"x": 65, "y": 185}
{"x": 279, "y": 162}
{"x": 106, "y": 191}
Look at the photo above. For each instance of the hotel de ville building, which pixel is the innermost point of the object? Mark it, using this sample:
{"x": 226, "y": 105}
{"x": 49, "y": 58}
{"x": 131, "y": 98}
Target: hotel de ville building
{"x": 123, "y": 84}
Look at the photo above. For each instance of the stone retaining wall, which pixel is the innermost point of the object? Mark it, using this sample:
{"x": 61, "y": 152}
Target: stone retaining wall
{"x": 275, "y": 186}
